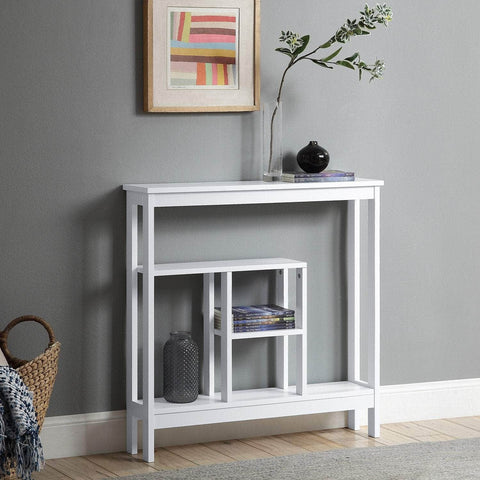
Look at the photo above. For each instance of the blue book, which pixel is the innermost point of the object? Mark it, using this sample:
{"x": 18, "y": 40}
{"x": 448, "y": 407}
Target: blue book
{"x": 264, "y": 328}
{"x": 325, "y": 176}
{"x": 258, "y": 311}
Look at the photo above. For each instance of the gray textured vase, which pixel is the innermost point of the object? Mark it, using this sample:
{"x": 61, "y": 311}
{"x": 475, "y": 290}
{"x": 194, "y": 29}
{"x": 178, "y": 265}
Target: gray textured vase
{"x": 180, "y": 368}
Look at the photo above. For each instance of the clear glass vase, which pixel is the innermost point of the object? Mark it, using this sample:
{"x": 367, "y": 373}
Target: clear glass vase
{"x": 272, "y": 151}
{"x": 180, "y": 368}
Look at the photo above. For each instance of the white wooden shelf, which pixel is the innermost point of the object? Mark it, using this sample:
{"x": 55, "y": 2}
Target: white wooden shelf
{"x": 264, "y": 334}
{"x": 284, "y": 400}
{"x": 281, "y": 266}
{"x": 278, "y": 402}
{"x": 220, "y": 266}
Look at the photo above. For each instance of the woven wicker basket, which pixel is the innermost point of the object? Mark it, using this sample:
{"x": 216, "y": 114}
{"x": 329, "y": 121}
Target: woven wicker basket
{"x": 38, "y": 374}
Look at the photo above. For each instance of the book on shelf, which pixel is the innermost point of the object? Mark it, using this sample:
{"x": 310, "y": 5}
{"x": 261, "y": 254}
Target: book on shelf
{"x": 264, "y": 328}
{"x": 255, "y": 318}
{"x": 260, "y": 327}
{"x": 258, "y": 311}
{"x": 325, "y": 176}
{"x": 254, "y": 323}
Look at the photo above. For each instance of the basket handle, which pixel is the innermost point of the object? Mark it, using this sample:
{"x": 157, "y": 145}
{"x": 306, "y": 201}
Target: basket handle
{"x": 4, "y": 337}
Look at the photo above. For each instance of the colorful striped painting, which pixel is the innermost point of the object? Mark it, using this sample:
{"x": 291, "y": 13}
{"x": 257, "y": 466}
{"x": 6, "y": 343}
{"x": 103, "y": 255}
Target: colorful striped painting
{"x": 203, "y": 48}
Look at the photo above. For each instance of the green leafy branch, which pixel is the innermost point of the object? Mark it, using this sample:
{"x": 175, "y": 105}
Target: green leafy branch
{"x": 296, "y": 46}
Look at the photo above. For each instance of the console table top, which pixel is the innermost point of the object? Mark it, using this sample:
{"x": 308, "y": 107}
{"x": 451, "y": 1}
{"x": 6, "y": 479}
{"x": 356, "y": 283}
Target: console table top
{"x": 240, "y": 186}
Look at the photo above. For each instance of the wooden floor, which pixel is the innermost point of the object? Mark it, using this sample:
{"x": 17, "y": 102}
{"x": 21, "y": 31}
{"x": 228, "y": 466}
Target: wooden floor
{"x": 121, "y": 464}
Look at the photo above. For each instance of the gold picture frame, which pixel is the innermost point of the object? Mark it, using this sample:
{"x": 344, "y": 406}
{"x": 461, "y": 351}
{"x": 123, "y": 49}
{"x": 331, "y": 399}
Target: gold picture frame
{"x": 201, "y": 55}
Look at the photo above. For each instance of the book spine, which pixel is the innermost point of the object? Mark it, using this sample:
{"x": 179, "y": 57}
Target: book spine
{"x": 286, "y": 314}
{"x": 259, "y": 325}
{"x": 258, "y": 311}
{"x": 263, "y": 328}
{"x": 270, "y": 321}
{"x": 259, "y": 321}
{"x": 259, "y": 318}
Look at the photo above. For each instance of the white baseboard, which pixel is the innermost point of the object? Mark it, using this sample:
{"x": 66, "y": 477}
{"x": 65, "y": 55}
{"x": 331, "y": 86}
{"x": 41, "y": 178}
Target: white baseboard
{"x": 427, "y": 401}
{"x": 91, "y": 433}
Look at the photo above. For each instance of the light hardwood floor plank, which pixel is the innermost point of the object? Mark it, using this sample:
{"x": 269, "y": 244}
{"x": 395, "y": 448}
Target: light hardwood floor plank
{"x": 165, "y": 460}
{"x": 80, "y": 468}
{"x": 49, "y": 473}
{"x": 470, "y": 422}
{"x": 274, "y": 446}
{"x": 200, "y": 454}
{"x": 387, "y": 437}
{"x": 309, "y": 441}
{"x": 347, "y": 438}
{"x": 450, "y": 428}
{"x": 238, "y": 450}
{"x": 417, "y": 432}
{"x": 122, "y": 464}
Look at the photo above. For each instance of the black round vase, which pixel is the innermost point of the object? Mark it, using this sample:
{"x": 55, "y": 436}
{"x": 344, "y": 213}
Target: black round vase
{"x": 313, "y": 158}
{"x": 180, "y": 368}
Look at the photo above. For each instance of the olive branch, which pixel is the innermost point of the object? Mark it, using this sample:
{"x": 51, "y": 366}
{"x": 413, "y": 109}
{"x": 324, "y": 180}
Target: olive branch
{"x": 296, "y": 46}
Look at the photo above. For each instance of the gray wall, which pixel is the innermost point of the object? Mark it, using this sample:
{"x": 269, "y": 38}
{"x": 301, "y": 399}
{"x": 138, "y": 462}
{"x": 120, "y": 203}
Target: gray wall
{"x": 72, "y": 130}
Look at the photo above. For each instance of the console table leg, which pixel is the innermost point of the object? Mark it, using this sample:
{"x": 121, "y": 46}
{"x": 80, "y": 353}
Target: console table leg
{"x": 301, "y": 322}
{"x": 353, "y": 279}
{"x": 226, "y": 342}
{"x": 208, "y": 334}
{"x": 148, "y": 441}
{"x": 374, "y": 311}
{"x": 132, "y": 323}
{"x": 281, "y": 285}
{"x": 374, "y": 422}
{"x": 132, "y": 434}
{"x": 148, "y": 330}
{"x": 353, "y": 420}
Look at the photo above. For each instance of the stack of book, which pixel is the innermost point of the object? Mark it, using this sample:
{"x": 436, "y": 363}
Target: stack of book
{"x": 257, "y": 318}
{"x": 325, "y": 176}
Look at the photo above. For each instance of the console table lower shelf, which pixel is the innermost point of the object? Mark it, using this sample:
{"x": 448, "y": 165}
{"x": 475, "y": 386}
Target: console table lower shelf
{"x": 260, "y": 403}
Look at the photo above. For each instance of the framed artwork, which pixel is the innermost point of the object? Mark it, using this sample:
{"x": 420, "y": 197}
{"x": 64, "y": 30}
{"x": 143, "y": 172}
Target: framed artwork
{"x": 201, "y": 55}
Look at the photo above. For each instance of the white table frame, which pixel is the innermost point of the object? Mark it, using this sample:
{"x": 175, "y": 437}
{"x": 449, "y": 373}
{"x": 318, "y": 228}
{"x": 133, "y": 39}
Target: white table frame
{"x": 351, "y": 395}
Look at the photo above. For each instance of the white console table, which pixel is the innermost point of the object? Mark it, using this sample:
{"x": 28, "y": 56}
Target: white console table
{"x": 350, "y": 395}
